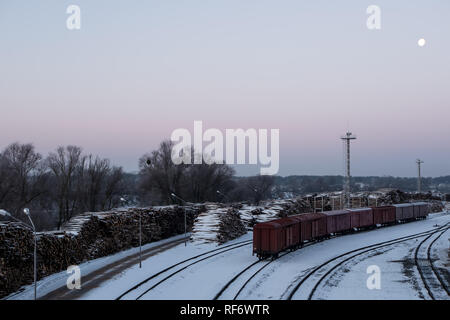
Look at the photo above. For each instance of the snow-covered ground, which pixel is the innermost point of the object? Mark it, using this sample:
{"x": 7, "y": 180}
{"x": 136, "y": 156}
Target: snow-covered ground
{"x": 204, "y": 279}
{"x": 349, "y": 281}
{"x": 58, "y": 280}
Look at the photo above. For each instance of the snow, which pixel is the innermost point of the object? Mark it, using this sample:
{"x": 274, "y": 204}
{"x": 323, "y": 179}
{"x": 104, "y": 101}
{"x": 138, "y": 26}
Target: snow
{"x": 268, "y": 213}
{"x": 193, "y": 290}
{"x": 207, "y": 223}
{"x": 203, "y": 280}
{"x": 284, "y": 273}
{"x": 206, "y": 226}
{"x": 402, "y": 205}
{"x": 57, "y": 280}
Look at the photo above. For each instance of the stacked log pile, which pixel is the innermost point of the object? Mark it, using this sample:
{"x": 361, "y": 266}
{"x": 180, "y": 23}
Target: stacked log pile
{"x": 437, "y": 206}
{"x": 86, "y": 237}
{"x": 397, "y": 196}
{"x": 393, "y": 197}
{"x": 231, "y": 226}
{"x": 16, "y": 257}
{"x": 296, "y": 206}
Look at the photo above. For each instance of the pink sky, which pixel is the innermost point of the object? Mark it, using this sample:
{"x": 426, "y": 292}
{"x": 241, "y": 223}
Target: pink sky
{"x": 136, "y": 72}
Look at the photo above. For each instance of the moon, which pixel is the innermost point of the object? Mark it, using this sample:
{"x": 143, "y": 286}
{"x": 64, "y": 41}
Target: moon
{"x": 421, "y": 42}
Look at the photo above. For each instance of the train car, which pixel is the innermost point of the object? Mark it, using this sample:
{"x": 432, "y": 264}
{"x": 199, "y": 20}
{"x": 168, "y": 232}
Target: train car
{"x": 313, "y": 226}
{"x": 384, "y": 215}
{"x": 292, "y": 228}
{"x": 404, "y": 211}
{"x": 425, "y": 210}
{"x": 338, "y": 221}
{"x": 270, "y": 238}
{"x": 421, "y": 210}
{"x": 361, "y": 218}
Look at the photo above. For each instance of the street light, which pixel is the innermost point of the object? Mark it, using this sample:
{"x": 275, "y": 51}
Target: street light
{"x": 148, "y": 163}
{"x": 5, "y": 213}
{"x": 140, "y": 239}
{"x": 185, "y": 228}
{"x": 224, "y": 196}
{"x": 27, "y": 213}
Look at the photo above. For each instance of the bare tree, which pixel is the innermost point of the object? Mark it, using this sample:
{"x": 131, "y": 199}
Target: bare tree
{"x": 67, "y": 164}
{"x": 159, "y": 175}
{"x": 193, "y": 182}
{"x": 96, "y": 172}
{"x": 6, "y": 180}
{"x": 260, "y": 187}
{"x": 23, "y": 176}
{"x": 202, "y": 181}
{"x": 113, "y": 188}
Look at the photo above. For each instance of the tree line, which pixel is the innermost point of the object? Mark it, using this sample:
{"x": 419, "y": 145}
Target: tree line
{"x": 68, "y": 182}
{"x": 159, "y": 178}
{"x": 56, "y": 187}
{"x": 298, "y": 185}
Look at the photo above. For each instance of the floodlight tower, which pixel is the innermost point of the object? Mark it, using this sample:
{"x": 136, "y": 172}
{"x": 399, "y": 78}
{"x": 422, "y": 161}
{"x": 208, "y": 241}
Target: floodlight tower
{"x": 346, "y": 139}
{"x": 419, "y": 178}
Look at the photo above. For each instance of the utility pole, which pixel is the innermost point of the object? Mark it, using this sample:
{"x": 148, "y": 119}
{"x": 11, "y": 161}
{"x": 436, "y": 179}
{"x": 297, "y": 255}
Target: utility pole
{"x": 346, "y": 139}
{"x": 419, "y": 177}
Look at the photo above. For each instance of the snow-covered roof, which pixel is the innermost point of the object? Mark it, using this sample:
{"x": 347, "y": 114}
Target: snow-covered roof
{"x": 402, "y": 205}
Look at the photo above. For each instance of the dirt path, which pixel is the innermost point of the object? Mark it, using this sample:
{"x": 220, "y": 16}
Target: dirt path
{"x": 96, "y": 278}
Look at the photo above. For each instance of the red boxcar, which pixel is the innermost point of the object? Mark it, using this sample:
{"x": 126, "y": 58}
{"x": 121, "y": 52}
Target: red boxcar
{"x": 270, "y": 238}
{"x": 338, "y": 221}
{"x": 312, "y": 226}
{"x": 361, "y": 217}
{"x": 383, "y": 215}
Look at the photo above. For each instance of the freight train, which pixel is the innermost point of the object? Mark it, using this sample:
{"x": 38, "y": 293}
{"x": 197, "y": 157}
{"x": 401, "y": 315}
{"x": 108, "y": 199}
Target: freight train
{"x": 290, "y": 233}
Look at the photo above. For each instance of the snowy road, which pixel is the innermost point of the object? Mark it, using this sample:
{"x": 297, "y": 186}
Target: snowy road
{"x": 205, "y": 276}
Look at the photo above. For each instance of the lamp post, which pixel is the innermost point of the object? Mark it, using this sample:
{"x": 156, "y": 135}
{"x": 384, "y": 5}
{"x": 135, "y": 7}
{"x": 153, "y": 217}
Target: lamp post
{"x": 5, "y": 213}
{"x": 185, "y": 227}
{"x": 140, "y": 239}
{"x": 148, "y": 163}
{"x": 224, "y": 196}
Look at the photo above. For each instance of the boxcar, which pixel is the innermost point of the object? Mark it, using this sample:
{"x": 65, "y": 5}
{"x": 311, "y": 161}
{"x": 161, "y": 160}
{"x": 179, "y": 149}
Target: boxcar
{"x": 338, "y": 221}
{"x": 361, "y": 218}
{"x": 312, "y": 226}
{"x": 383, "y": 215}
{"x": 404, "y": 211}
{"x": 420, "y": 210}
{"x": 292, "y": 228}
{"x": 270, "y": 238}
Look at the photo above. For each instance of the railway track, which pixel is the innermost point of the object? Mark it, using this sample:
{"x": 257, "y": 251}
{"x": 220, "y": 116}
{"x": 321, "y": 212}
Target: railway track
{"x": 196, "y": 259}
{"x": 237, "y": 276}
{"x": 342, "y": 258}
{"x": 430, "y": 276}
